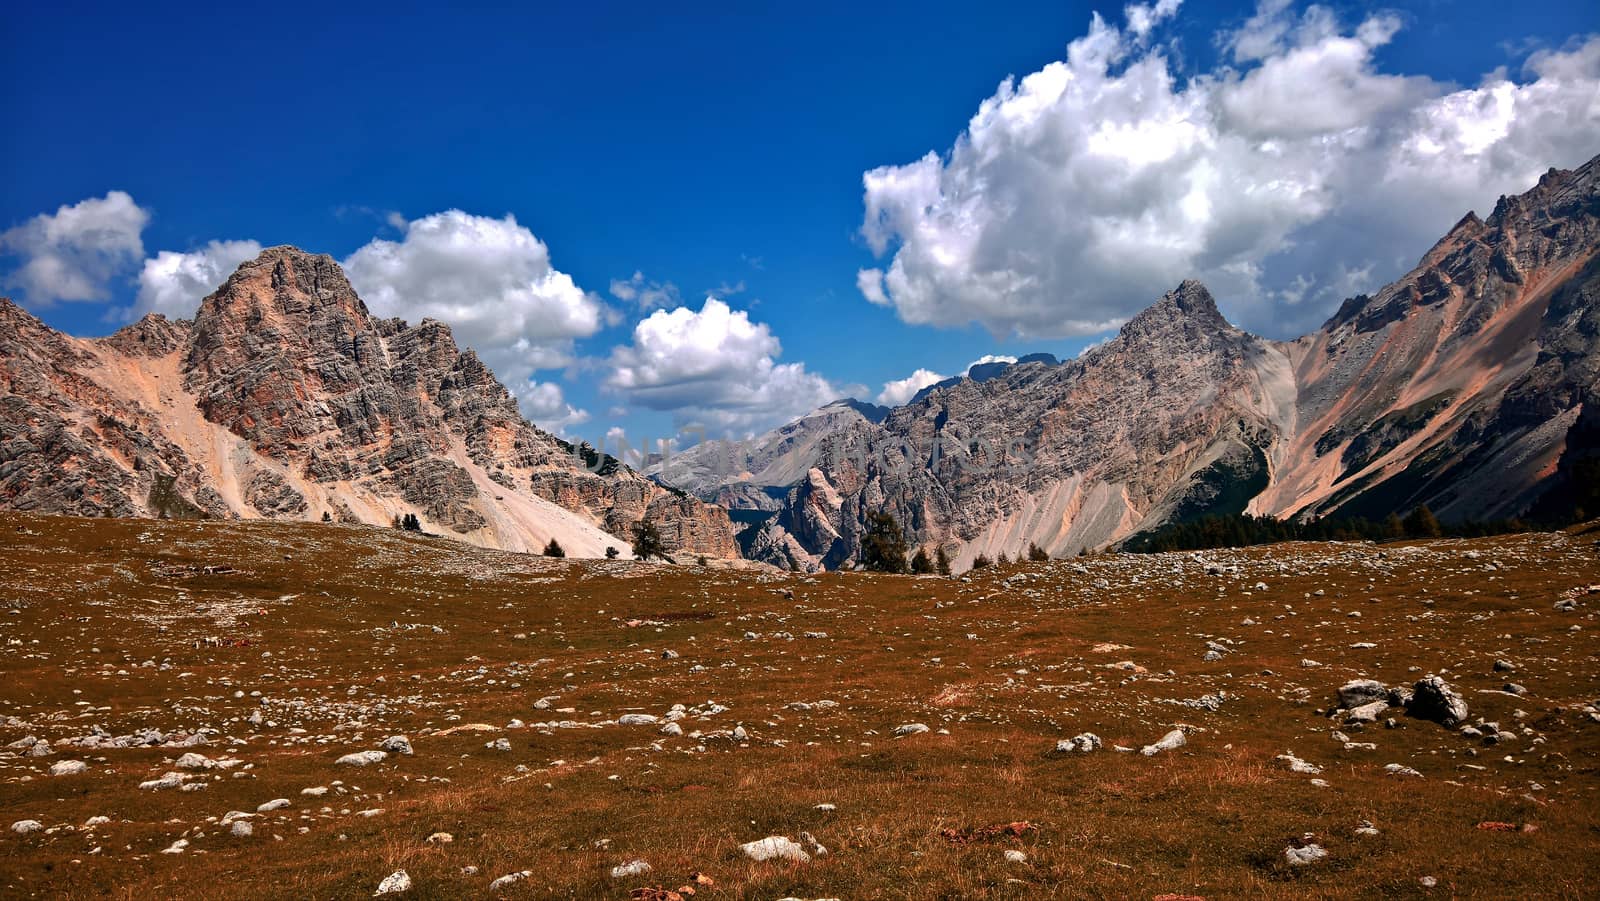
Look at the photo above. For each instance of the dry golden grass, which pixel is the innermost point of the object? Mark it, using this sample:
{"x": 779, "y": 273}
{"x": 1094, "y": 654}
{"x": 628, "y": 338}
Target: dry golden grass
{"x": 347, "y": 616}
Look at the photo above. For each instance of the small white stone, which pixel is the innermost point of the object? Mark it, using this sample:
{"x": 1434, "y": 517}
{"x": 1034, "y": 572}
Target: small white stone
{"x": 394, "y": 883}
{"x": 779, "y": 847}
{"x": 509, "y": 880}
{"x": 631, "y": 868}
{"x": 1306, "y": 854}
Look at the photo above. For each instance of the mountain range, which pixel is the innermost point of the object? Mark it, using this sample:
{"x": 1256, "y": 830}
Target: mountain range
{"x": 1466, "y": 385}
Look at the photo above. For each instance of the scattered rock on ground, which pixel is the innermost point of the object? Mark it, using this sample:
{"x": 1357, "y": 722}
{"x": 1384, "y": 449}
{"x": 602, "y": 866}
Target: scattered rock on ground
{"x": 1168, "y": 742}
{"x": 775, "y": 847}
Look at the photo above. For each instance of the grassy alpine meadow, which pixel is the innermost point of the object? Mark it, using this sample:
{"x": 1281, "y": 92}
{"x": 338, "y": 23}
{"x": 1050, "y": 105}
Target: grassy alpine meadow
{"x": 275, "y": 710}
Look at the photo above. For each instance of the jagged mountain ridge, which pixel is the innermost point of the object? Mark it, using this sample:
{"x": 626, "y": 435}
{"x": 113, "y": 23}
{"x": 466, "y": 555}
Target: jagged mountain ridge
{"x": 1461, "y": 385}
{"x": 285, "y": 398}
{"x": 741, "y": 475}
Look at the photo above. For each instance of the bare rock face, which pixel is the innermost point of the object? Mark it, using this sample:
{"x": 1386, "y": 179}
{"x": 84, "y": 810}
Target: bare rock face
{"x": 1463, "y": 386}
{"x": 739, "y": 474}
{"x": 1166, "y": 417}
{"x": 286, "y": 398}
{"x": 1459, "y": 385}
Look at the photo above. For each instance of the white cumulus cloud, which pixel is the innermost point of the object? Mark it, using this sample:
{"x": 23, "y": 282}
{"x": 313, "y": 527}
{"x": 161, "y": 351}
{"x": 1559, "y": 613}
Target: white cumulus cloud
{"x": 492, "y": 282}
{"x": 1293, "y": 175}
{"x": 174, "y": 283}
{"x": 989, "y": 358}
{"x": 715, "y": 368}
{"x": 900, "y": 391}
{"x": 76, "y": 252}
{"x": 544, "y": 405}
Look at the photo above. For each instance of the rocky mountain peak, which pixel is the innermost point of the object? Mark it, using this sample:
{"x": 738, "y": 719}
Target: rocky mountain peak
{"x": 869, "y": 412}
{"x": 21, "y": 332}
{"x": 288, "y": 317}
{"x": 1528, "y": 232}
{"x": 154, "y": 335}
{"x": 284, "y": 283}
{"x": 1560, "y": 194}
{"x": 1186, "y": 313}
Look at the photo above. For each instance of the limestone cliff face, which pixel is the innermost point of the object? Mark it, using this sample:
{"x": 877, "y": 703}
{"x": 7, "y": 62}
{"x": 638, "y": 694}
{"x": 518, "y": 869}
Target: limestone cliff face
{"x": 1465, "y": 385}
{"x": 286, "y": 398}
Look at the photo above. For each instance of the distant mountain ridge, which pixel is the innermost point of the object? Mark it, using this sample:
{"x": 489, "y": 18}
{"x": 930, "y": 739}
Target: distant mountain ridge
{"x": 1466, "y": 385}
{"x": 285, "y": 398}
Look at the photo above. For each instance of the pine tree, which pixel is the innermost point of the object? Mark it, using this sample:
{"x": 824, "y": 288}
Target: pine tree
{"x": 920, "y": 564}
{"x": 611, "y": 553}
{"x": 1393, "y": 527}
{"x": 1421, "y": 523}
{"x": 1037, "y": 554}
{"x": 553, "y": 549}
{"x": 941, "y": 561}
{"x": 1003, "y": 559}
{"x": 647, "y": 542}
{"x": 883, "y": 548}
{"x": 981, "y": 561}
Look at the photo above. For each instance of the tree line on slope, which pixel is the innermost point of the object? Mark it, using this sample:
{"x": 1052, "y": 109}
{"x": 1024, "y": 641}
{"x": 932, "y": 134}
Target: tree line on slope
{"x": 1244, "y": 530}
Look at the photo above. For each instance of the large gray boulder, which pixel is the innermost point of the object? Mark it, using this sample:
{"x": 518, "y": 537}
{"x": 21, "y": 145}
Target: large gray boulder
{"x": 1434, "y": 699}
{"x": 1359, "y": 692}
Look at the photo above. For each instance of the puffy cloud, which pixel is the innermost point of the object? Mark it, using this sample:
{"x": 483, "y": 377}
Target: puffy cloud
{"x": 989, "y": 358}
{"x": 645, "y": 293}
{"x": 713, "y": 368}
{"x": 492, "y": 282}
{"x": 1290, "y": 178}
{"x": 75, "y": 253}
{"x": 870, "y": 283}
{"x": 174, "y": 283}
{"x": 545, "y": 406}
{"x": 900, "y": 391}
{"x": 1143, "y": 18}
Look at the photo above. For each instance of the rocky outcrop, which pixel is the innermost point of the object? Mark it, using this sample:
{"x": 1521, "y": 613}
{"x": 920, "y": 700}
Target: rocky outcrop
{"x": 286, "y": 398}
{"x": 1461, "y": 386}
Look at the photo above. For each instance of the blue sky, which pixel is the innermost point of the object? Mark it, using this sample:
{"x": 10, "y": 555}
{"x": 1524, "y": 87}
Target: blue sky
{"x": 722, "y": 150}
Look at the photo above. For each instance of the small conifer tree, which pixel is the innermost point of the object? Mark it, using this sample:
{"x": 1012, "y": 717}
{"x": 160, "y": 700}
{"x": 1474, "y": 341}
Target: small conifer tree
{"x": 1421, "y": 523}
{"x": 647, "y": 541}
{"x": 883, "y": 548}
